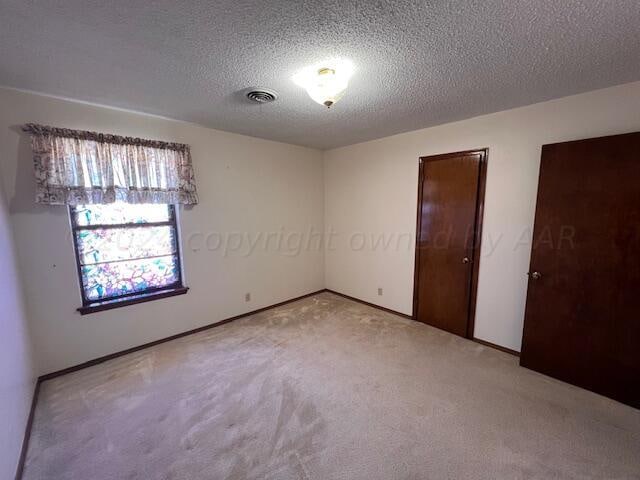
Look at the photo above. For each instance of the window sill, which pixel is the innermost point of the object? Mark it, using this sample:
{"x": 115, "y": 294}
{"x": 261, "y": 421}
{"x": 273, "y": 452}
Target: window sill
{"x": 111, "y": 304}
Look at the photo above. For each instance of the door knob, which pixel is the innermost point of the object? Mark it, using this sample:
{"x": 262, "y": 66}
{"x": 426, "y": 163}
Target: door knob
{"x": 535, "y": 275}
{"x": 465, "y": 260}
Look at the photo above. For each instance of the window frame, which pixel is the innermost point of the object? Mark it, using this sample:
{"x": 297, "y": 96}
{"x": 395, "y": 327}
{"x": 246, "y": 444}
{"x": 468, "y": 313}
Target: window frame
{"x": 152, "y": 293}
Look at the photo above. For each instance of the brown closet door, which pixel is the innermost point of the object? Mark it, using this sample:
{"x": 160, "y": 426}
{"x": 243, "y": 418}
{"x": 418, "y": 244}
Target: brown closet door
{"x": 582, "y": 322}
{"x": 447, "y": 231}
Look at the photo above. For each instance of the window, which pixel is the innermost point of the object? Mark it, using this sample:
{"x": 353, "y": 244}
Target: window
{"x": 126, "y": 253}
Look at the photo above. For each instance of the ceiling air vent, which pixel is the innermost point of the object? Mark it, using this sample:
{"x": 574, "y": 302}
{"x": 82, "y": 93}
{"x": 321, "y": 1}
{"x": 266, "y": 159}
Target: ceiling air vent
{"x": 261, "y": 95}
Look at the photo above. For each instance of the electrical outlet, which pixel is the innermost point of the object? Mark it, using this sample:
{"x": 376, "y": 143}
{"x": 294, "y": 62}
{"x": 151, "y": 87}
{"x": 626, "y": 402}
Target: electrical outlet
{"x": 380, "y": 291}
{"x": 247, "y": 297}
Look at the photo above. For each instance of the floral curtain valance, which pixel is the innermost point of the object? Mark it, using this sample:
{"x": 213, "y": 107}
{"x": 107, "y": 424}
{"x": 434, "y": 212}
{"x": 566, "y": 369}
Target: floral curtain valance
{"x": 76, "y": 167}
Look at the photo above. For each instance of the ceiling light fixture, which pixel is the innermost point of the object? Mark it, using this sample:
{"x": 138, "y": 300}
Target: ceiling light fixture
{"x": 325, "y": 82}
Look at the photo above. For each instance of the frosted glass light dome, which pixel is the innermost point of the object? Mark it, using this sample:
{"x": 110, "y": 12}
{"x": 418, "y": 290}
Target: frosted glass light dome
{"x": 325, "y": 82}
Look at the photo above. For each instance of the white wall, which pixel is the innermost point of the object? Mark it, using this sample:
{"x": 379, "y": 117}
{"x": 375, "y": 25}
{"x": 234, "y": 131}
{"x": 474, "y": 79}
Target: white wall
{"x": 372, "y": 188}
{"x": 17, "y": 375}
{"x": 245, "y": 185}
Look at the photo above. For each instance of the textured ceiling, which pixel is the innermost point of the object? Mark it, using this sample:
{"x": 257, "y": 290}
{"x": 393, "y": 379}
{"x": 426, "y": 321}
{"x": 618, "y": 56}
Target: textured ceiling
{"x": 418, "y": 63}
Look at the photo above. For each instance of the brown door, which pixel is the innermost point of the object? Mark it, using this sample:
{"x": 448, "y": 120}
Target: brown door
{"x": 582, "y": 321}
{"x": 450, "y": 195}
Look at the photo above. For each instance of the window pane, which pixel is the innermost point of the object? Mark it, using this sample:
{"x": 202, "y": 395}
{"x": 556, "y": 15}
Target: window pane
{"x": 116, "y": 213}
{"x": 111, "y": 244}
{"x": 113, "y": 279}
{"x": 119, "y": 254}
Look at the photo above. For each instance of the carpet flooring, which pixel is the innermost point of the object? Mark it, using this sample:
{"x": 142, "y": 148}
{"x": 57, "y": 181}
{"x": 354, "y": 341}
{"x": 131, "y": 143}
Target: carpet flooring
{"x": 325, "y": 388}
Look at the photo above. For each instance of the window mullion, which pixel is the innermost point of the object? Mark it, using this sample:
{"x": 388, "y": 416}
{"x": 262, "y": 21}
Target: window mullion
{"x": 170, "y": 254}
{"x": 167, "y": 223}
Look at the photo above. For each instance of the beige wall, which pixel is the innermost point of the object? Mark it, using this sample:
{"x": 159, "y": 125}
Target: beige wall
{"x": 247, "y": 186}
{"x": 361, "y": 193}
{"x": 17, "y": 370}
{"x": 371, "y": 189}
